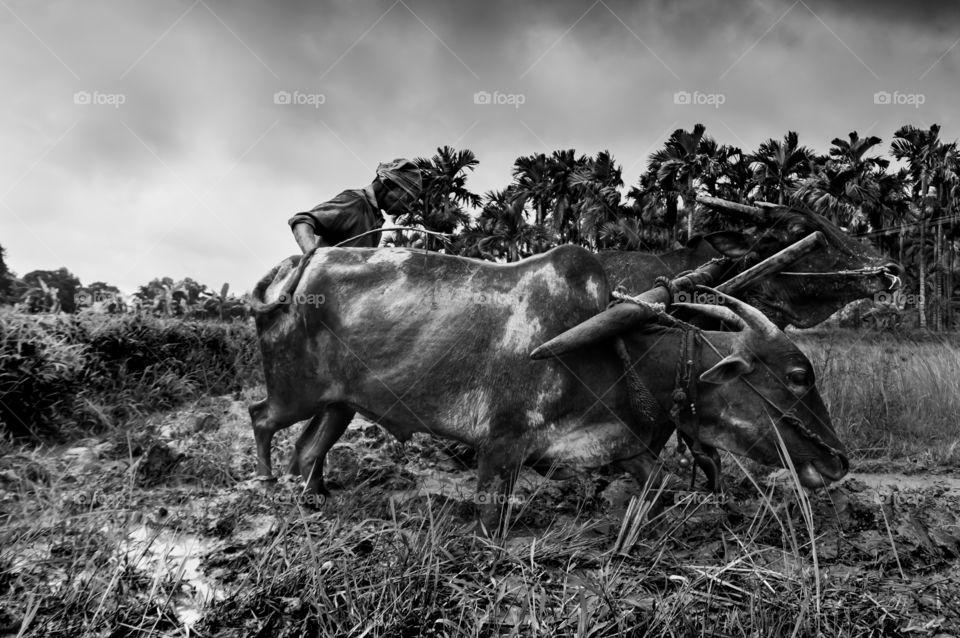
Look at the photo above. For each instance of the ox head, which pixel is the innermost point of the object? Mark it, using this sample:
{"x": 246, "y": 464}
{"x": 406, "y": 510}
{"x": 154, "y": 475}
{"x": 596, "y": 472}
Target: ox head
{"x": 816, "y": 285}
{"x": 761, "y": 390}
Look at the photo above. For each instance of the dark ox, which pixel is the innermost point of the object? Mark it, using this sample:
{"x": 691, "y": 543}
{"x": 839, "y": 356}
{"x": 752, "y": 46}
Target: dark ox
{"x": 423, "y": 342}
{"x": 816, "y": 286}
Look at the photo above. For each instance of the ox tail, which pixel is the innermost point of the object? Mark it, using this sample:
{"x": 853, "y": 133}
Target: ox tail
{"x": 258, "y": 303}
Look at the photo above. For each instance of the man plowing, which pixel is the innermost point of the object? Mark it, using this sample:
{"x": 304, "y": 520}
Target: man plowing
{"x": 353, "y": 212}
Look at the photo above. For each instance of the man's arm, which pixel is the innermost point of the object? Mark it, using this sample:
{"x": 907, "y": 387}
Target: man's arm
{"x": 303, "y": 233}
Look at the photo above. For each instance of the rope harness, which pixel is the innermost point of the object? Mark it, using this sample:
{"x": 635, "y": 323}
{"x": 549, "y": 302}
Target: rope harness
{"x": 683, "y": 412}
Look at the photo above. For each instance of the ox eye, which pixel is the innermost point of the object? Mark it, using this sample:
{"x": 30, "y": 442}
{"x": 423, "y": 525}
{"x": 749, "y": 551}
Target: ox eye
{"x": 799, "y": 377}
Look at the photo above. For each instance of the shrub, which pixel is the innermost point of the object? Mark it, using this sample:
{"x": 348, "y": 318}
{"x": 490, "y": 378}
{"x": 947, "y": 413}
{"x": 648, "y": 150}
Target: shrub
{"x": 89, "y": 371}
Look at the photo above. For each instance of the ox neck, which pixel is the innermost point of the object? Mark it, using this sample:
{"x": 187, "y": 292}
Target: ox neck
{"x": 662, "y": 350}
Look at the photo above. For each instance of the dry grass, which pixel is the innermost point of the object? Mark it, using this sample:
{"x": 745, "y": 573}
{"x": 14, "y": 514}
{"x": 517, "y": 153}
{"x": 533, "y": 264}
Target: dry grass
{"x": 119, "y": 535}
{"x": 890, "y": 396}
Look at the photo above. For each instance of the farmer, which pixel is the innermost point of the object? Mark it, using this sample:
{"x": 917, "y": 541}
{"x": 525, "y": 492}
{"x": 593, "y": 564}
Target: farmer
{"x": 353, "y": 212}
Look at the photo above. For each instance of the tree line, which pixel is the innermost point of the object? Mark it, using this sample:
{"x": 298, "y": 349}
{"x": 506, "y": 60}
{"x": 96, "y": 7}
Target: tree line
{"x": 910, "y": 213}
{"x": 566, "y": 197}
{"x": 45, "y": 291}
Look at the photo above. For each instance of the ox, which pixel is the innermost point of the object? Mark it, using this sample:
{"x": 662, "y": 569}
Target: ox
{"x": 817, "y": 285}
{"x": 424, "y": 342}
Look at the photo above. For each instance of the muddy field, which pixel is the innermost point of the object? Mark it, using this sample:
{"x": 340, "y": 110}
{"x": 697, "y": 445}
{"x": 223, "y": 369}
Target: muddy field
{"x": 160, "y": 530}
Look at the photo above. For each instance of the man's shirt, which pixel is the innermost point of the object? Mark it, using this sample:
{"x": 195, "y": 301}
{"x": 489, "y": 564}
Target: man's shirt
{"x": 347, "y": 215}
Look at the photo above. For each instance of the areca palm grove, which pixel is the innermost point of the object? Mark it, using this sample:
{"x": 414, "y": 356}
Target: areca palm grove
{"x": 909, "y": 211}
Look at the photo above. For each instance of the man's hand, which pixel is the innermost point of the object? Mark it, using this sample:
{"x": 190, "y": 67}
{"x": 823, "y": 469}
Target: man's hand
{"x": 303, "y": 233}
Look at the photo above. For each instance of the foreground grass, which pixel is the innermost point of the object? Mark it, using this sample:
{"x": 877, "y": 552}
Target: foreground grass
{"x": 158, "y": 531}
{"x": 154, "y": 528}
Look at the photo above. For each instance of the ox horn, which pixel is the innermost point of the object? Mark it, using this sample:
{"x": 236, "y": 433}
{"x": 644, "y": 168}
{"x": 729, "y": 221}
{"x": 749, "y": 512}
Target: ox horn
{"x": 751, "y": 317}
{"x": 721, "y": 313}
{"x": 607, "y": 324}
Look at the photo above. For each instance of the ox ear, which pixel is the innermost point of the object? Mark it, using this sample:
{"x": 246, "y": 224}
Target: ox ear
{"x": 728, "y": 369}
{"x": 729, "y": 243}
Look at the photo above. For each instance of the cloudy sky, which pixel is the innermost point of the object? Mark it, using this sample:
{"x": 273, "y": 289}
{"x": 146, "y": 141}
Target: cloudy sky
{"x": 146, "y": 139}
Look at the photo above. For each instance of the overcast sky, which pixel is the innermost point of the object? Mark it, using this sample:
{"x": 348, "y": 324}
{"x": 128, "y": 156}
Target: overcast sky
{"x": 145, "y": 139}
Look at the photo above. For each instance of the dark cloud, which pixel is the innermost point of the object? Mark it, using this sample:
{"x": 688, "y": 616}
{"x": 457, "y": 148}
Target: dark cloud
{"x": 929, "y": 15}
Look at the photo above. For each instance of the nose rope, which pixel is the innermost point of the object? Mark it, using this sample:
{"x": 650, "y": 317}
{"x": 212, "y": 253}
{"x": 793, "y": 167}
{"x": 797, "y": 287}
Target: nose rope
{"x": 791, "y": 419}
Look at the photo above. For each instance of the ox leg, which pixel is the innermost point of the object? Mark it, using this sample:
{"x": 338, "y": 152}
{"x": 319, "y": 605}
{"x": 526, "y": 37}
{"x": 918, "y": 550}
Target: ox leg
{"x": 497, "y": 470}
{"x": 707, "y": 459}
{"x": 315, "y": 441}
{"x": 646, "y": 469}
{"x": 309, "y": 432}
{"x": 268, "y": 420}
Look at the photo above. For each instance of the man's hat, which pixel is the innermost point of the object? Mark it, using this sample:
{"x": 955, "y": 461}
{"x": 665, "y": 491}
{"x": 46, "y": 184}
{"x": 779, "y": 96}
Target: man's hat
{"x": 404, "y": 174}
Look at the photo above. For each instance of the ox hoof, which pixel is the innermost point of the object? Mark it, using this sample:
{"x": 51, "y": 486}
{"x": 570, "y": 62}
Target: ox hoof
{"x": 268, "y": 483}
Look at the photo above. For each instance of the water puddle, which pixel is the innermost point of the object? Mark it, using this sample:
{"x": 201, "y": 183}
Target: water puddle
{"x": 885, "y": 483}
{"x": 166, "y": 555}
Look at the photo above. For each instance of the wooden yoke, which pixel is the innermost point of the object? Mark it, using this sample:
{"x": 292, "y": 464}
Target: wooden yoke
{"x": 644, "y": 307}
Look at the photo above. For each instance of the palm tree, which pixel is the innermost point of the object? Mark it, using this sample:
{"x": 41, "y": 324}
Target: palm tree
{"x": 533, "y": 182}
{"x": 891, "y": 208}
{"x": 951, "y": 200}
{"x": 845, "y": 185}
{"x": 840, "y": 194}
{"x": 566, "y": 223}
{"x": 679, "y": 164}
{"x": 597, "y": 185}
{"x": 726, "y": 175}
{"x": 502, "y": 230}
{"x": 440, "y": 206}
{"x": 919, "y": 149}
{"x": 852, "y": 153}
{"x": 625, "y": 233}
{"x": 776, "y": 166}
{"x": 945, "y": 183}
{"x": 652, "y": 207}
